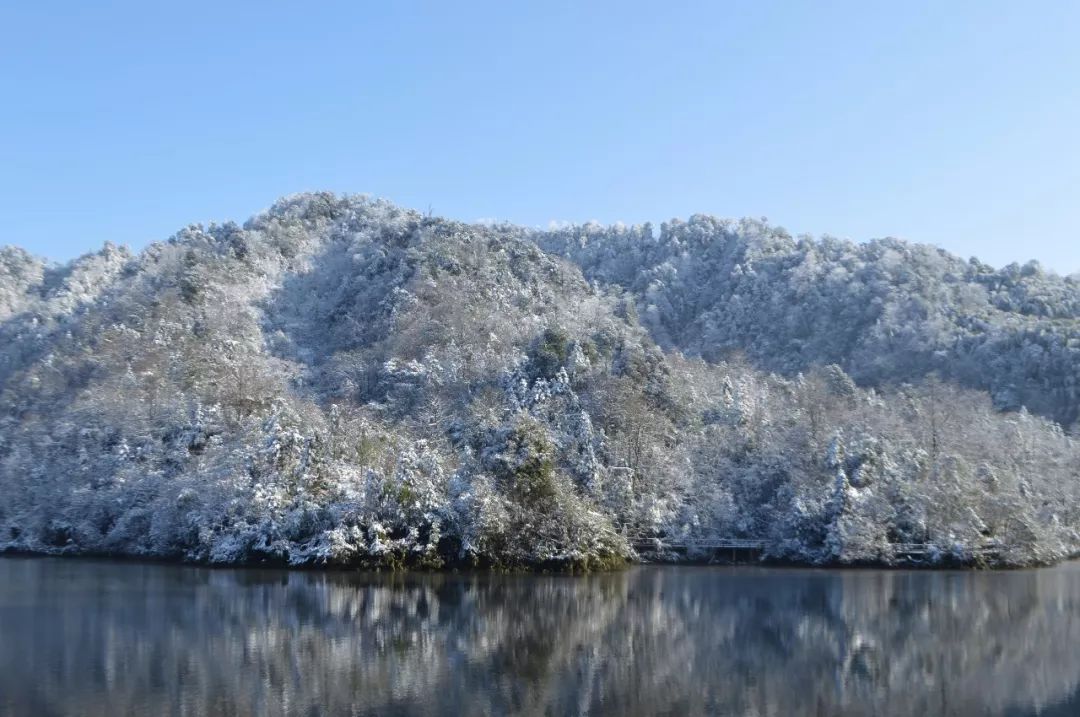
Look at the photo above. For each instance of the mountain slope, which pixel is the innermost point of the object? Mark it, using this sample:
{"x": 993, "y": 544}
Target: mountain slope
{"x": 344, "y": 381}
{"x": 886, "y": 311}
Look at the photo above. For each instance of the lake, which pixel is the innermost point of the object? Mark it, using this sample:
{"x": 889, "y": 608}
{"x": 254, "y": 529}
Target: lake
{"x": 90, "y": 637}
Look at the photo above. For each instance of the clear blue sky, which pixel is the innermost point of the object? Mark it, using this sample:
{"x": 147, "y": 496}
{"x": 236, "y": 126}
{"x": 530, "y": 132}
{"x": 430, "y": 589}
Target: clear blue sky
{"x": 955, "y": 123}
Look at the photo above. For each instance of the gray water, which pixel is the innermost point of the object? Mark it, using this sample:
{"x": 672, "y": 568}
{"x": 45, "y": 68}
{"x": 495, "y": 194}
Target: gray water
{"x": 82, "y": 637}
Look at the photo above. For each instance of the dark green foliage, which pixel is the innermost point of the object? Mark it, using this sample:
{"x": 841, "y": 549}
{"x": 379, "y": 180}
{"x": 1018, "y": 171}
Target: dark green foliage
{"x": 549, "y": 353}
{"x": 531, "y": 474}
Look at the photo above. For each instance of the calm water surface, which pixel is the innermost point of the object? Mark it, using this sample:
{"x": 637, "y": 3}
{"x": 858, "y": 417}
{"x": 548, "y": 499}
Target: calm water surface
{"x": 100, "y": 638}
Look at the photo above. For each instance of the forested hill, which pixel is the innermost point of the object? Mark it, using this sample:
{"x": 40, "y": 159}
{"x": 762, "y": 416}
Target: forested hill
{"x": 886, "y": 311}
{"x": 344, "y": 381}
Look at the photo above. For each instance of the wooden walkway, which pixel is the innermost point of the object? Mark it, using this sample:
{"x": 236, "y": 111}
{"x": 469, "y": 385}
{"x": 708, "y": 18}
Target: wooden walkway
{"x": 696, "y": 543}
{"x": 754, "y": 548}
{"x": 917, "y": 551}
{"x": 746, "y": 549}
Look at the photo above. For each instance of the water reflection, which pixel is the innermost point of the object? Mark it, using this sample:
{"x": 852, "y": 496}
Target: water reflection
{"x": 98, "y": 638}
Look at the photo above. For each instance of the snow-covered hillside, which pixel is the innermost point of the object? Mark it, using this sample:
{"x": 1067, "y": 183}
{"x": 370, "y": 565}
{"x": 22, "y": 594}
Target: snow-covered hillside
{"x": 343, "y": 381}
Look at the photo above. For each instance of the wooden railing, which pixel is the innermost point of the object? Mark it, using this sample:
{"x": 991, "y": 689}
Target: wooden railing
{"x": 650, "y": 542}
{"x": 908, "y": 550}
{"x": 988, "y": 547}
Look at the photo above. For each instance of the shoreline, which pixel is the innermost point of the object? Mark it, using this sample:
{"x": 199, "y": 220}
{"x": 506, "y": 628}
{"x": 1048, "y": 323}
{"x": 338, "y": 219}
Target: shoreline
{"x": 553, "y": 569}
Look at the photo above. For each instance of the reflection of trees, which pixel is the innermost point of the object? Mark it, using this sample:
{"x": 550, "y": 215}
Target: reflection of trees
{"x": 104, "y": 639}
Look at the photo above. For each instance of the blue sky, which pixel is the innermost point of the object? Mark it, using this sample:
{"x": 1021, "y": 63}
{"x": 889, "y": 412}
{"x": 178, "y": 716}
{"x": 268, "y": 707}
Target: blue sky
{"x": 955, "y": 123}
